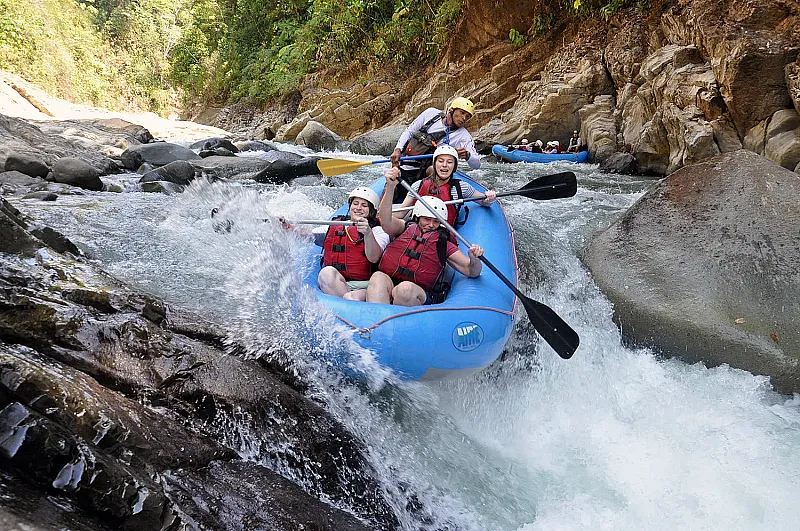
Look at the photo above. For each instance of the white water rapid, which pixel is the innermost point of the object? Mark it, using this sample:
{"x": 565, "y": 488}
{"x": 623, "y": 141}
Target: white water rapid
{"x": 612, "y": 439}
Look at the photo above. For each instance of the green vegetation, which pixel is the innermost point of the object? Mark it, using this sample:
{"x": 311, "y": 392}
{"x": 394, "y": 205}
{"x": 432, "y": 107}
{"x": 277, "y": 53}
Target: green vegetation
{"x": 142, "y": 53}
{"x": 516, "y": 38}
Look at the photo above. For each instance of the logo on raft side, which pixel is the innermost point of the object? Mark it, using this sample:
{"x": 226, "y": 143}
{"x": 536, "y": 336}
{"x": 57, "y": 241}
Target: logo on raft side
{"x": 467, "y": 336}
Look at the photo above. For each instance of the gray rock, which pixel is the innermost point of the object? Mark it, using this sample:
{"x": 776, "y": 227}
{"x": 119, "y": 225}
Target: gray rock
{"x": 163, "y": 187}
{"x": 378, "y": 142}
{"x": 27, "y": 164}
{"x": 255, "y": 145}
{"x": 70, "y": 425}
{"x": 76, "y": 172}
{"x": 318, "y": 137}
{"x": 178, "y": 172}
{"x": 43, "y": 195}
{"x": 704, "y": 266}
{"x": 623, "y": 163}
{"x": 157, "y": 153}
{"x": 214, "y": 143}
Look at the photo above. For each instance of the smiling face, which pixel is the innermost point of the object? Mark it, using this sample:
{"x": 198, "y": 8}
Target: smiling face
{"x": 459, "y": 117}
{"x": 444, "y": 165}
{"x": 428, "y": 224}
{"x": 359, "y": 208}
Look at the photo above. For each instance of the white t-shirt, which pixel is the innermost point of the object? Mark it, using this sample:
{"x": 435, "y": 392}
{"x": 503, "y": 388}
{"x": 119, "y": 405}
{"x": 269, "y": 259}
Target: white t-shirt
{"x": 459, "y": 138}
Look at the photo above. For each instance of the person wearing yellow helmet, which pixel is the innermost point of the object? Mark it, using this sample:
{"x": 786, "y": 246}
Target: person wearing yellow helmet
{"x": 430, "y": 129}
{"x": 412, "y": 264}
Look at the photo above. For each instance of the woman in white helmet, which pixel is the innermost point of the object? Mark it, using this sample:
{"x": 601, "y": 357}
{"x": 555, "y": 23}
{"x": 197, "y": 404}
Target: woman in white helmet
{"x": 441, "y": 184}
{"x": 413, "y": 262}
{"x": 350, "y": 252}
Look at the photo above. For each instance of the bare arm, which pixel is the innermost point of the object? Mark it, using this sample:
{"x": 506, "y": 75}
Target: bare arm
{"x": 390, "y": 224}
{"x": 467, "y": 265}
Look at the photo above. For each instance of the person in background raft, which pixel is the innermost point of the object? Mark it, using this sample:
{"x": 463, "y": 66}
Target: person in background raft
{"x": 574, "y": 143}
{"x": 441, "y": 184}
{"x": 414, "y": 261}
{"x": 552, "y": 147}
{"x": 430, "y": 128}
{"x": 349, "y": 252}
{"x": 523, "y": 146}
{"x": 536, "y": 147}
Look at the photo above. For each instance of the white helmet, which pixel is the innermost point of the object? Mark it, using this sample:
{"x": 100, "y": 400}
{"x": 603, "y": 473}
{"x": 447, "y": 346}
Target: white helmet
{"x": 524, "y": 140}
{"x": 435, "y": 203}
{"x": 445, "y": 149}
{"x": 365, "y": 193}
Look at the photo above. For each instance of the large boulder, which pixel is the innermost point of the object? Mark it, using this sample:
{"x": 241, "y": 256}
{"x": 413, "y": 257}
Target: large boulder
{"x": 157, "y": 153}
{"x": 76, "y": 172}
{"x": 378, "y": 142}
{"x": 704, "y": 266}
{"x": 178, "y": 172}
{"x": 28, "y": 164}
{"x": 318, "y": 137}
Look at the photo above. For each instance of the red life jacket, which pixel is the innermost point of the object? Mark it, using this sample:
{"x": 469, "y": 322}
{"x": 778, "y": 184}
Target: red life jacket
{"x": 444, "y": 193}
{"x": 416, "y": 256}
{"x": 343, "y": 249}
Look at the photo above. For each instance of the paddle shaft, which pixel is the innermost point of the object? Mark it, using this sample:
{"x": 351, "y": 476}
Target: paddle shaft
{"x": 522, "y": 191}
{"x": 321, "y": 222}
{"x": 452, "y": 229}
{"x": 553, "y": 329}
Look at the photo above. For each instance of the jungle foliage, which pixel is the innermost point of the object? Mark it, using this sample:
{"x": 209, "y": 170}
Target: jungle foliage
{"x": 140, "y": 53}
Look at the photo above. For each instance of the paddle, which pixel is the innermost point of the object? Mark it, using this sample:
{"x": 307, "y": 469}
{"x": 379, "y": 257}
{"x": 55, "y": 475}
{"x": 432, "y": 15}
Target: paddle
{"x": 555, "y": 186}
{"x": 331, "y": 167}
{"x": 553, "y": 329}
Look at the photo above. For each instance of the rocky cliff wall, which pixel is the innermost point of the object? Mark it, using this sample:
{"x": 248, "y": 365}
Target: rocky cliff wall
{"x": 692, "y": 79}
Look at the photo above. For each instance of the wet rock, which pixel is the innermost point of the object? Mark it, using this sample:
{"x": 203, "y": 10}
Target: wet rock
{"x": 318, "y": 137}
{"x": 703, "y": 267}
{"x": 255, "y": 145}
{"x": 623, "y": 163}
{"x": 378, "y": 142}
{"x": 178, "y": 172}
{"x": 247, "y": 495}
{"x": 27, "y": 164}
{"x": 161, "y": 187}
{"x": 158, "y": 154}
{"x": 76, "y": 172}
{"x": 214, "y": 143}
{"x": 43, "y": 195}
{"x": 77, "y": 349}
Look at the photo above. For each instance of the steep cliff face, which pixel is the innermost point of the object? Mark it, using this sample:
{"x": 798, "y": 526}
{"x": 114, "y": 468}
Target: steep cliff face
{"x": 693, "y": 79}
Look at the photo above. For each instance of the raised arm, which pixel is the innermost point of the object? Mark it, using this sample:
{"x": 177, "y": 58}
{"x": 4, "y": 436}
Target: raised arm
{"x": 390, "y": 224}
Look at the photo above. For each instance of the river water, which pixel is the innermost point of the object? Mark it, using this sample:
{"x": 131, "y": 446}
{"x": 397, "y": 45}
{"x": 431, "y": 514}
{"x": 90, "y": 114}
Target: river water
{"x": 615, "y": 438}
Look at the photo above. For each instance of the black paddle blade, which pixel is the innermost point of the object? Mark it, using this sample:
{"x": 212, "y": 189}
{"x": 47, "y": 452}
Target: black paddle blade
{"x": 556, "y": 186}
{"x": 551, "y": 327}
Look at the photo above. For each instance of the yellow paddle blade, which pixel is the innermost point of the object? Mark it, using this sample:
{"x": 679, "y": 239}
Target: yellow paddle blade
{"x": 331, "y": 167}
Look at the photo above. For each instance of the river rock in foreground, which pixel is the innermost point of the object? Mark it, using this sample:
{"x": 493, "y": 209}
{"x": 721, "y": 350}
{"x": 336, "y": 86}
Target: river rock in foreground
{"x": 706, "y": 267}
{"x": 128, "y": 411}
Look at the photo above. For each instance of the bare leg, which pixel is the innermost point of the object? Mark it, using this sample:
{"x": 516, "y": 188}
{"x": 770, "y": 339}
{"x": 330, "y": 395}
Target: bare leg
{"x": 380, "y": 288}
{"x": 356, "y": 295}
{"x": 332, "y": 282}
{"x": 408, "y": 294}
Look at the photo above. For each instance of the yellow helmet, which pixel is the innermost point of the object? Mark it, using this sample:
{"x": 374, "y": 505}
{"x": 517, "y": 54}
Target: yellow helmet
{"x": 464, "y": 104}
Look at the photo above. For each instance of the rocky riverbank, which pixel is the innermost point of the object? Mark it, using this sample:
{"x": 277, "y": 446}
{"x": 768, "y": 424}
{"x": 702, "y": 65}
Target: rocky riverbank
{"x": 649, "y": 95}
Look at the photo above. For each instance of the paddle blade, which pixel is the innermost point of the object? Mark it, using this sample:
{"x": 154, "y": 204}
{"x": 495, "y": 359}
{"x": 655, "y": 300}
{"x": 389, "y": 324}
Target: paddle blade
{"x": 556, "y": 186}
{"x": 551, "y": 327}
{"x": 331, "y": 167}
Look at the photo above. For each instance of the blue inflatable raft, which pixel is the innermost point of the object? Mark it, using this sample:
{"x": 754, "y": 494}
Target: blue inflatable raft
{"x": 510, "y": 154}
{"x": 465, "y": 333}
